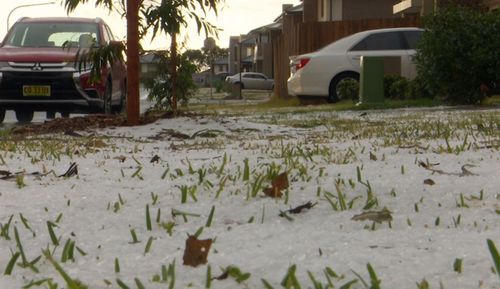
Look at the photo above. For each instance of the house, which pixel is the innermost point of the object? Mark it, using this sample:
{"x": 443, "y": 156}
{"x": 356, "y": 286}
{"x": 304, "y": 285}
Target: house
{"x": 221, "y": 65}
{"x": 148, "y": 63}
{"x": 262, "y": 52}
{"x": 342, "y": 10}
{"x": 423, "y": 7}
{"x": 241, "y": 51}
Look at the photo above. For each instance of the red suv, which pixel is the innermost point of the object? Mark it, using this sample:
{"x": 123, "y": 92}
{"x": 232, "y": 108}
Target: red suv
{"x": 39, "y": 69}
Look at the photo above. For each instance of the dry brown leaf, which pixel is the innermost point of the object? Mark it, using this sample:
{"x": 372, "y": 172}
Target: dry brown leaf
{"x": 429, "y": 182}
{"x": 278, "y": 184}
{"x": 96, "y": 143}
{"x": 120, "y": 158}
{"x": 155, "y": 159}
{"x": 196, "y": 251}
{"x": 375, "y": 216}
{"x": 373, "y": 157}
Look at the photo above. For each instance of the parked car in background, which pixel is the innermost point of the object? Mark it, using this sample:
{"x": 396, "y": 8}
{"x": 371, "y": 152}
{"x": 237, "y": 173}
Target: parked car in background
{"x": 251, "y": 80}
{"x": 319, "y": 73}
{"x": 38, "y": 70}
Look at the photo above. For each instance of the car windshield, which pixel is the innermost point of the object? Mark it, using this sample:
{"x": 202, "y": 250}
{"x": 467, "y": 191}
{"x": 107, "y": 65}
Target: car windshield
{"x": 53, "y": 35}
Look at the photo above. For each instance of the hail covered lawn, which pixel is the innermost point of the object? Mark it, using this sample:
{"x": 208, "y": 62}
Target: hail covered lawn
{"x": 278, "y": 200}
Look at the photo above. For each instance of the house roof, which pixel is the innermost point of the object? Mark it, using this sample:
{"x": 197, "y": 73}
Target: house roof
{"x": 221, "y": 60}
{"x": 148, "y": 58}
{"x": 250, "y": 40}
{"x": 293, "y": 10}
{"x": 266, "y": 28}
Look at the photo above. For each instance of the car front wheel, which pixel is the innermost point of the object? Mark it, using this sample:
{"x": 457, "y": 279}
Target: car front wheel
{"x": 24, "y": 115}
{"x": 123, "y": 100}
{"x": 106, "y": 99}
{"x": 2, "y": 114}
{"x": 333, "y": 90}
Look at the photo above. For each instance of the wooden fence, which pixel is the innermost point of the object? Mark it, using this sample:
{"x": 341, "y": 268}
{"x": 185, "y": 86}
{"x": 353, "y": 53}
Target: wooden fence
{"x": 298, "y": 37}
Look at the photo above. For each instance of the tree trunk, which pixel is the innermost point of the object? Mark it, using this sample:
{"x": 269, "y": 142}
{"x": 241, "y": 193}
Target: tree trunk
{"x": 173, "y": 71}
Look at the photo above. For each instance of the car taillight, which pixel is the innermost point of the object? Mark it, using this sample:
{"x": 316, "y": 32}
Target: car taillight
{"x": 301, "y": 63}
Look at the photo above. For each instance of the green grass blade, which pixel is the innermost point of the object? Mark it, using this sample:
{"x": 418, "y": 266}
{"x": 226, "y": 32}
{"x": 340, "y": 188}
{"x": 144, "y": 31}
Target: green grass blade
{"x": 208, "y": 282}
{"x": 139, "y": 284}
{"x": 52, "y": 234}
{"x": 210, "y": 217}
{"x": 117, "y": 265}
{"x": 494, "y": 255}
{"x": 20, "y": 246}
{"x": 72, "y": 284}
{"x": 11, "y": 264}
{"x": 148, "y": 219}
{"x": 148, "y": 245}
{"x": 373, "y": 277}
{"x": 121, "y": 284}
{"x": 266, "y": 284}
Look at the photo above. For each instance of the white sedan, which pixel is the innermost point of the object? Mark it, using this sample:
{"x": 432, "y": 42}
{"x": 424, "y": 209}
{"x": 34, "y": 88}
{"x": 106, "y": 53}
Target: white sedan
{"x": 319, "y": 73}
{"x": 251, "y": 80}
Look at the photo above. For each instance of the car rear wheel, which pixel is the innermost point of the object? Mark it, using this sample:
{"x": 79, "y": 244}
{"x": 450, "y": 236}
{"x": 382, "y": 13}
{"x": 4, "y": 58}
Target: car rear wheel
{"x": 24, "y": 115}
{"x": 239, "y": 85}
{"x": 333, "y": 90}
{"x": 2, "y": 114}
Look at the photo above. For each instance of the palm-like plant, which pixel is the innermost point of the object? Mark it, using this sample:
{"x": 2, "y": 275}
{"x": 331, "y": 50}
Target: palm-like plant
{"x": 162, "y": 16}
{"x": 170, "y": 16}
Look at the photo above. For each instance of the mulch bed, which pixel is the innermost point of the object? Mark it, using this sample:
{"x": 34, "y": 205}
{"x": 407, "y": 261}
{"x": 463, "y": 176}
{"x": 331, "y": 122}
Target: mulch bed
{"x": 84, "y": 123}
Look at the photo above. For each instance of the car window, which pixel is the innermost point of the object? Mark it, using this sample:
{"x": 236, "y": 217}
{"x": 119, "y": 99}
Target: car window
{"x": 52, "y": 34}
{"x": 380, "y": 41}
{"x": 258, "y": 76}
{"x": 412, "y": 38}
{"x": 108, "y": 34}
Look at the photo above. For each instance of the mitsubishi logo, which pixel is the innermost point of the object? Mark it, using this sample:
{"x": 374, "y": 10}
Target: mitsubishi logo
{"x": 37, "y": 67}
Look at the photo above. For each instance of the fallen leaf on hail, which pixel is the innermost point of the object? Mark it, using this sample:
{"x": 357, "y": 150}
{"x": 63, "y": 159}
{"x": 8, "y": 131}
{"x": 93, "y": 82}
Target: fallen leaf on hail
{"x": 375, "y": 216}
{"x": 196, "y": 251}
{"x": 155, "y": 159}
{"x": 96, "y": 143}
{"x": 120, "y": 158}
{"x": 429, "y": 182}
{"x": 373, "y": 157}
{"x": 278, "y": 184}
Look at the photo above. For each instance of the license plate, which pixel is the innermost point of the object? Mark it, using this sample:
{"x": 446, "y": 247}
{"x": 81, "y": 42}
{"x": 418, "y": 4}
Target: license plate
{"x": 36, "y": 90}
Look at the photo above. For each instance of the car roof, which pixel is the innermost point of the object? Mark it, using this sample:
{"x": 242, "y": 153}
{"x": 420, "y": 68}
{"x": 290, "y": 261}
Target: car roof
{"x": 59, "y": 19}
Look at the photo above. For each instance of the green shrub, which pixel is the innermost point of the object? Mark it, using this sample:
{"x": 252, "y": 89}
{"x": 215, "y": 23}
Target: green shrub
{"x": 349, "y": 89}
{"x": 458, "y": 57}
{"x": 160, "y": 87}
{"x": 399, "y": 89}
{"x": 388, "y": 82}
{"x": 417, "y": 89}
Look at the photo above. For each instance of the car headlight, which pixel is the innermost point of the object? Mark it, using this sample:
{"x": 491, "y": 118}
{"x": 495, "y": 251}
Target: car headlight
{"x": 82, "y": 67}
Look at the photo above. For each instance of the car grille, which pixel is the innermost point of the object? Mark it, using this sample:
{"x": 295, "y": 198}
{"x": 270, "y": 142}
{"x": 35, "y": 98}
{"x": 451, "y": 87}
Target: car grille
{"x": 61, "y": 84}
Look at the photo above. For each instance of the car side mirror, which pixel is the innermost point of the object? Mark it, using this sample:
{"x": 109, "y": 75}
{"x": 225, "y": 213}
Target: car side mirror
{"x": 117, "y": 44}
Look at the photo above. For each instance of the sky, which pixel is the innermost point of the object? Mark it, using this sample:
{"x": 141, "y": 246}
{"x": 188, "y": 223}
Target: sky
{"x": 436, "y": 228}
{"x": 235, "y": 17}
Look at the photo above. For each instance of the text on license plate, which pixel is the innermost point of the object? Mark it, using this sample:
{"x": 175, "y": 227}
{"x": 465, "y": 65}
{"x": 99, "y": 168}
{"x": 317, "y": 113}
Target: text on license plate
{"x": 36, "y": 90}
